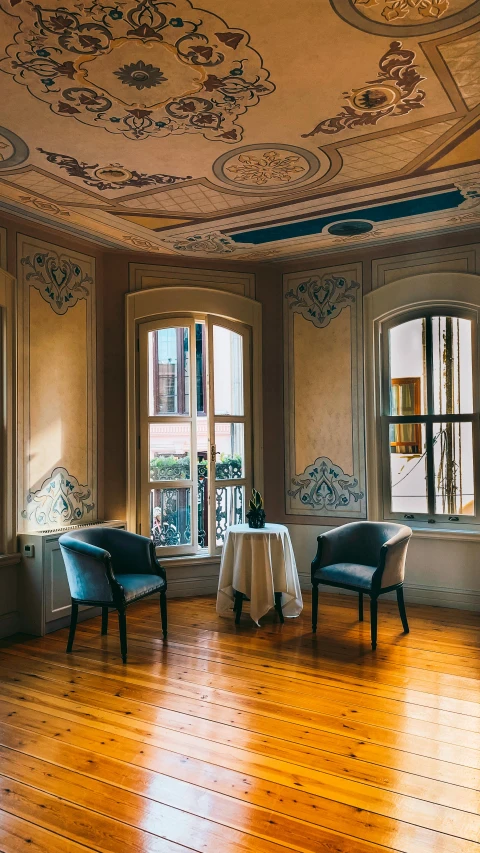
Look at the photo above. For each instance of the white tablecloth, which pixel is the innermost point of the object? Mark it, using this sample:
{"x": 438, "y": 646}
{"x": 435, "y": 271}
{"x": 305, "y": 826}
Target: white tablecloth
{"x": 259, "y": 563}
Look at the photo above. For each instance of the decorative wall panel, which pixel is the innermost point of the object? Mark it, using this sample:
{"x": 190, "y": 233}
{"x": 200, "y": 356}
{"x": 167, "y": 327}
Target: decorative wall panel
{"x": 324, "y": 393}
{"x": 57, "y": 476}
{"x": 3, "y": 248}
{"x": 144, "y": 276}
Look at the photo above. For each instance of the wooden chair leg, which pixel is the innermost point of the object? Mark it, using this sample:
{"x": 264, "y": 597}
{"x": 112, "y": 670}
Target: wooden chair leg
{"x": 122, "y": 624}
{"x": 73, "y": 625}
{"x": 104, "y": 620}
{"x": 163, "y": 613}
{"x": 360, "y": 606}
{"x": 237, "y": 607}
{"x": 278, "y": 606}
{"x": 314, "y": 607}
{"x": 401, "y": 610}
{"x": 373, "y": 620}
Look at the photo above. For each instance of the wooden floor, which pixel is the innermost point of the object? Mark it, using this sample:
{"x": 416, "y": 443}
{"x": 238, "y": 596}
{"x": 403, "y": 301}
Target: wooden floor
{"x": 230, "y": 740}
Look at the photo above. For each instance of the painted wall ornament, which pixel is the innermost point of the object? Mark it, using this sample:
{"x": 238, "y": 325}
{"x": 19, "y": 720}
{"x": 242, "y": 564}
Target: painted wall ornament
{"x": 59, "y": 280}
{"x": 470, "y": 189}
{"x": 112, "y": 176}
{"x": 324, "y": 486}
{"x": 142, "y": 68}
{"x": 214, "y": 243}
{"x": 59, "y": 500}
{"x": 44, "y": 206}
{"x": 394, "y": 92}
{"x": 320, "y": 299}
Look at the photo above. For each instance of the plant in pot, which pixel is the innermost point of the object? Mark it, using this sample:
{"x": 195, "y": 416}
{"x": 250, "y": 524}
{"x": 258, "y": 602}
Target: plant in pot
{"x": 256, "y": 513}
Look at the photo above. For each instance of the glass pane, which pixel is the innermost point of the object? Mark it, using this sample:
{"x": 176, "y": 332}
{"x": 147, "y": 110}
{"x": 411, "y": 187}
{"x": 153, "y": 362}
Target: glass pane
{"x": 407, "y": 368}
{"x": 203, "y": 499}
{"x": 229, "y": 443}
{"x": 168, "y": 372}
{"x": 170, "y": 451}
{"x": 408, "y": 468}
{"x": 229, "y": 509}
{"x": 452, "y": 365}
{"x": 170, "y": 516}
{"x": 201, "y": 371}
{"x": 228, "y": 371}
{"x": 453, "y": 460}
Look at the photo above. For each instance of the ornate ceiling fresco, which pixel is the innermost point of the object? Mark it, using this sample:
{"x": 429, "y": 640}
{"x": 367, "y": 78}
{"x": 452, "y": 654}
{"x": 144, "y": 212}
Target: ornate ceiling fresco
{"x": 256, "y": 133}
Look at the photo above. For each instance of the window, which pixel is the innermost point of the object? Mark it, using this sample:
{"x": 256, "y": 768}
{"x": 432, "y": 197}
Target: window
{"x": 195, "y": 431}
{"x": 430, "y": 428}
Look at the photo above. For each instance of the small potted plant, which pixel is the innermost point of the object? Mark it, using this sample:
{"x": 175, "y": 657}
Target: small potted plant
{"x": 256, "y": 513}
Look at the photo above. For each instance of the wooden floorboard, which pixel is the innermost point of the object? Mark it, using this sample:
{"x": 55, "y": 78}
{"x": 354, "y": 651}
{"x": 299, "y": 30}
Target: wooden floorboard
{"x": 244, "y": 740}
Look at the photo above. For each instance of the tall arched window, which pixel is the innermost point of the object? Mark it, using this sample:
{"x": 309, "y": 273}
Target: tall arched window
{"x": 430, "y": 416}
{"x": 194, "y": 460}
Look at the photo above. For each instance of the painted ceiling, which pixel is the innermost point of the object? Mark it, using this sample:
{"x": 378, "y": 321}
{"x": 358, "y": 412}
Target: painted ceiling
{"x": 254, "y": 131}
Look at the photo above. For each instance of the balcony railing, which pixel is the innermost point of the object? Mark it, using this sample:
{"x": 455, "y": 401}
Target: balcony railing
{"x": 171, "y": 524}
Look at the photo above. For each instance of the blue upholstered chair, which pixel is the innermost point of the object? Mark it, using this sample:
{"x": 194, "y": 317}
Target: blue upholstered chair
{"x": 108, "y": 567}
{"x": 367, "y": 557}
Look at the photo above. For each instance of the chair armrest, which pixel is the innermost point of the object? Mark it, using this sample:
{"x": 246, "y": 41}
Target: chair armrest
{"x": 88, "y": 570}
{"x": 330, "y": 549}
{"x": 391, "y": 566}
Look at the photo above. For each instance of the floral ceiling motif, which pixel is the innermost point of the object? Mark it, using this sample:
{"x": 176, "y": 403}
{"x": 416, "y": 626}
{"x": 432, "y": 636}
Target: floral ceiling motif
{"x": 406, "y": 17}
{"x": 324, "y": 486}
{"x": 142, "y": 69}
{"x": 214, "y": 243}
{"x": 320, "y": 299}
{"x": 59, "y": 280}
{"x": 416, "y": 10}
{"x": 113, "y": 176}
{"x": 264, "y": 167}
{"x": 59, "y": 500}
{"x": 13, "y": 150}
{"x": 394, "y": 92}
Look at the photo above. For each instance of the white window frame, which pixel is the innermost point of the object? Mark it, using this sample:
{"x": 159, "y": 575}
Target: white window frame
{"x": 7, "y": 414}
{"x": 164, "y": 305}
{"x": 446, "y": 294}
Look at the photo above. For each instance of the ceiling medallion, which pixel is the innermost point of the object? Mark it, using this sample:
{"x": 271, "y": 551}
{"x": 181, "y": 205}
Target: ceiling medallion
{"x": 110, "y": 177}
{"x": 395, "y": 92}
{"x": 13, "y": 150}
{"x": 403, "y": 18}
{"x": 142, "y": 69}
{"x": 271, "y": 166}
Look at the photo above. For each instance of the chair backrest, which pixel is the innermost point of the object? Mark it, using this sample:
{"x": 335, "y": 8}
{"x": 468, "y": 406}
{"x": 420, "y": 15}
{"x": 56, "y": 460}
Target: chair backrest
{"x": 362, "y": 541}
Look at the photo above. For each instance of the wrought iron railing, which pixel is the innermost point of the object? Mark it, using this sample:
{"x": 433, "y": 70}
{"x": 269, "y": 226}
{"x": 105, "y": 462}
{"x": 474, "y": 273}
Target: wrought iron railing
{"x": 171, "y": 523}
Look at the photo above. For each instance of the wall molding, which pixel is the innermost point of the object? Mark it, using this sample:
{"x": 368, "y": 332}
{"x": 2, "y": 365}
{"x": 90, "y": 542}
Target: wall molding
{"x": 456, "y": 259}
{"x": 145, "y": 276}
{"x": 65, "y": 263}
{"x": 9, "y": 624}
{"x": 319, "y": 296}
{"x": 436, "y": 596}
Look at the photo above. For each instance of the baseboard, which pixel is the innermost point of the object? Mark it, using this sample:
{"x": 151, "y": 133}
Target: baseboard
{"x": 9, "y": 624}
{"x": 185, "y": 587}
{"x": 436, "y": 596}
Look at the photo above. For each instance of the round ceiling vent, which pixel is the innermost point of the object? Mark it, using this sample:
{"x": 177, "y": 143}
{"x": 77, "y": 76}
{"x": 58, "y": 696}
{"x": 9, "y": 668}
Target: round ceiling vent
{"x": 350, "y": 228}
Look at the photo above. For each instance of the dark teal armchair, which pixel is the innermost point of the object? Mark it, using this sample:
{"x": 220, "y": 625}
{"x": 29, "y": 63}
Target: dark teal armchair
{"x": 107, "y": 567}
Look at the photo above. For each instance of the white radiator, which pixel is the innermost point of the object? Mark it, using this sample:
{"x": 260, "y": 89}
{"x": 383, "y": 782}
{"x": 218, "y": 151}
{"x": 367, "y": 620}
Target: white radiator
{"x": 43, "y": 593}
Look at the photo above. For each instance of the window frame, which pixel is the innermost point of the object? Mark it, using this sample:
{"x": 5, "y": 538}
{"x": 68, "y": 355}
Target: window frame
{"x": 429, "y": 419}
{"x": 167, "y": 303}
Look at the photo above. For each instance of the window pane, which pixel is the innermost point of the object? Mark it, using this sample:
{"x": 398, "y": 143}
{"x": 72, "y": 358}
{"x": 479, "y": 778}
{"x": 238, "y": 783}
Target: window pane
{"x": 408, "y": 469}
{"x": 229, "y": 509}
{"x": 200, "y": 354}
{"x": 228, "y": 371}
{"x": 453, "y": 459}
{"x": 170, "y": 516}
{"x": 203, "y": 499}
{"x": 407, "y": 368}
{"x": 452, "y": 365}
{"x": 229, "y": 443}
{"x": 170, "y": 452}
{"x": 168, "y": 371}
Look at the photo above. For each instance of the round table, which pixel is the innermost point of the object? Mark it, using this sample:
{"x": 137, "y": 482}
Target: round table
{"x": 259, "y": 564}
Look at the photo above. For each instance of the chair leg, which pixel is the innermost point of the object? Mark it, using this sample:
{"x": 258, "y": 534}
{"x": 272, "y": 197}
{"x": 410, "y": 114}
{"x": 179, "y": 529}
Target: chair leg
{"x": 278, "y": 606}
{"x": 360, "y": 606}
{"x": 237, "y": 607}
{"x": 104, "y": 620}
{"x": 373, "y": 620}
{"x": 314, "y": 607}
{"x": 163, "y": 612}
{"x": 122, "y": 624}
{"x": 401, "y": 610}
{"x": 73, "y": 625}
